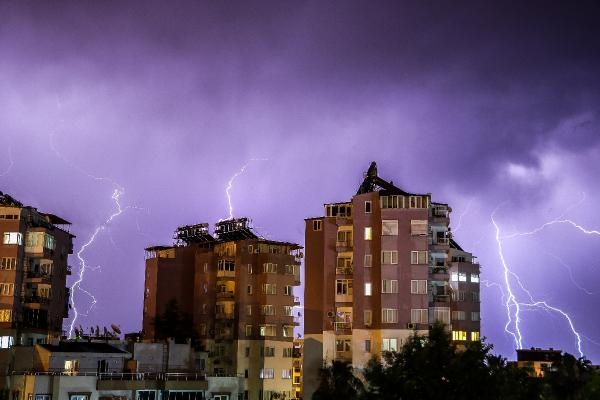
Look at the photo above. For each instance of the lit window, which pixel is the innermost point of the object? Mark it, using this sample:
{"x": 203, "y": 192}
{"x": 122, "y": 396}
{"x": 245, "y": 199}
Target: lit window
{"x": 389, "y": 315}
{"x": 267, "y": 330}
{"x": 462, "y": 276}
{"x": 5, "y": 315}
{"x": 389, "y": 257}
{"x": 418, "y": 257}
{"x": 6, "y": 289}
{"x": 474, "y": 336}
{"x": 270, "y": 268}
{"x": 267, "y": 373}
{"x": 368, "y": 233}
{"x": 459, "y": 335}
{"x": 389, "y": 344}
{"x": 368, "y": 207}
{"x": 287, "y": 330}
{"x": 454, "y": 276}
{"x": 286, "y": 374}
{"x": 368, "y": 260}
{"x": 418, "y": 286}
{"x": 419, "y": 316}
{"x": 13, "y": 238}
{"x": 389, "y": 227}
{"x": 288, "y": 311}
{"x": 8, "y": 263}
{"x": 474, "y": 278}
{"x": 368, "y": 288}
{"x": 389, "y": 286}
{"x": 343, "y": 286}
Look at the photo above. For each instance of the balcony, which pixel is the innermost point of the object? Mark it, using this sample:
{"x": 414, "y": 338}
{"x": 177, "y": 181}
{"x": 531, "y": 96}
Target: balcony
{"x": 344, "y": 270}
{"x": 343, "y": 245}
{"x": 225, "y": 316}
{"x": 165, "y": 381}
{"x": 39, "y": 277}
{"x": 439, "y": 273}
{"x": 344, "y": 328}
{"x": 225, "y": 295}
{"x": 225, "y": 274}
{"x": 296, "y": 301}
{"x": 35, "y": 300}
{"x": 442, "y": 241}
{"x": 439, "y": 298}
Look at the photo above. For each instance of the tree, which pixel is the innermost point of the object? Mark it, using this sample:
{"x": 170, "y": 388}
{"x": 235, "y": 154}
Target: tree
{"x": 337, "y": 381}
{"x": 172, "y": 323}
{"x": 570, "y": 378}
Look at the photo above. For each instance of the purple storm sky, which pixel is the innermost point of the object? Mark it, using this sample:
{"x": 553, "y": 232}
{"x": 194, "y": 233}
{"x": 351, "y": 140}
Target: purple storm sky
{"x": 493, "y": 108}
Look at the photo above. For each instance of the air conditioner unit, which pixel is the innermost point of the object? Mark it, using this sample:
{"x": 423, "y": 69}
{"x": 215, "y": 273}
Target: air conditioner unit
{"x": 330, "y": 314}
{"x": 411, "y": 325}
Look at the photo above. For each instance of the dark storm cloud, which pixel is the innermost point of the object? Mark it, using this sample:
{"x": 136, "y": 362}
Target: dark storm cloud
{"x": 469, "y": 100}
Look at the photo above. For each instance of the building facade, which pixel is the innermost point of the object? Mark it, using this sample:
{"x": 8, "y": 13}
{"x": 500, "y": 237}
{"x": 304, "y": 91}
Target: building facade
{"x": 238, "y": 289}
{"x": 378, "y": 268}
{"x": 33, "y": 273}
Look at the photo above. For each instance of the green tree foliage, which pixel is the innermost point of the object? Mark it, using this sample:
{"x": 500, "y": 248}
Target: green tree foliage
{"x": 174, "y": 324}
{"x": 434, "y": 367}
{"x": 338, "y": 382}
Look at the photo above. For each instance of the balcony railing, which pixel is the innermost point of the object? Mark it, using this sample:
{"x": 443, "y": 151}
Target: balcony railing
{"x": 343, "y": 244}
{"x": 36, "y": 299}
{"x": 344, "y": 270}
{"x": 226, "y": 294}
{"x": 225, "y": 274}
{"x": 342, "y": 326}
{"x": 225, "y": 316}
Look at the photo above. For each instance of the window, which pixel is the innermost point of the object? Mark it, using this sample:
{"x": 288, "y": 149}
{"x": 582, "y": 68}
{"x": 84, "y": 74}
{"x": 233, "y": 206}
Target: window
{"x": 389, "y": 315}
{"x": 368, "y": 289}
{"x": 247, "y": 351}
{"x": 286, "y": 374}
{"x": 249, "y": 289}
{"x": 368, "y": 316}
{"x": 368, "y": 233}
{"x": 474, "y": 278}
{"x": 418, "y": 286}
{"x": 368, "y": 345}
{"x": 475, "y": 297}
{"x": 389, "y": 227}
{"x": 43, "y": 397}
{"x": 419, "y": 316}
{"x": 418, "y": 227}
{"x": 267, "y": 351}
{"x": 7, "y": 289}
{"x": 269, "y": 288}
{"x": 226, "y": 265}
{"x": 418, "y": 257}
{"x": 317, "y": 225}
{"x": 8, "y": 263}
{"x": 6, "y": 342}
{"x": 462, "y": 276}
{"x": 458, "y": 315}
{"x": 458, "y": 295}
{"x": 288, "y": 352}
{"x": 248, "y": 330}
{"x": 13, "y": 238}
{"x": 389, "y": 257}
{"x": 454, "y": 276}
{"x": 343, "y": 286}
{"x": 343, "y": 345}
{"x": 389, "y": 286}
{"x": 474, "y": 336}
{"x": 459, "y": 335}
{"x": 267, "y": 373}
{"x": 267, "y": 330}
{"x": 368, "y": 207}
{"x": 368, "y": 260}
{"x": 391, "y": 201}
{"x": 268, "y": 309}
{"x": 287, "y": 330}
{"x": 418, "y": 202}
{"x": 79, "y": 396}
{"x": 270, "y": 268}
{"x": 5, "y": 315}
{"x": 248, "y": 310}
{"x": 249, "y": 267}
{"x": 389, "y": 344}
{"x": 288, "y": 290}
{"x": 475, "y": 316}
{"x": 288, "y": 311}
{"x": 441, "y": 314}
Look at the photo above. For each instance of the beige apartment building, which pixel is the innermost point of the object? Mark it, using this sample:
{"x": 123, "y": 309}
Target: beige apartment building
{"x": 34, "y": 251}
{"x": 239, "y": 290}
{"x": 378, "y": 268}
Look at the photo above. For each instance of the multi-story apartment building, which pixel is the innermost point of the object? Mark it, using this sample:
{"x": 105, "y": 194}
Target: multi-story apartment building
{"x": 378, "y": 268}
{"x": 239, "y": 290}
{"x": 33, "y": 272}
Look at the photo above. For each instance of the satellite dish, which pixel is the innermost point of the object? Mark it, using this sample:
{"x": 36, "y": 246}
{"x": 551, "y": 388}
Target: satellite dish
{"x": 116, "y": 329}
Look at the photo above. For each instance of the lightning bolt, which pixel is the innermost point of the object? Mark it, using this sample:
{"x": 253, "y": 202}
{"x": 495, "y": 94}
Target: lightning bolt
{"x": 83, "y": 265}
{"x": 460, "y": 217}
{"x": 233, "y": 178}
{"x": 10, "y": 163}
{"x": 512, "y": 304}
